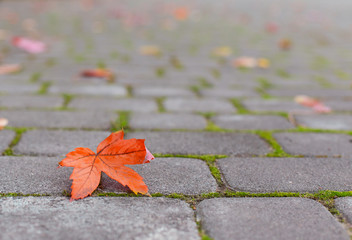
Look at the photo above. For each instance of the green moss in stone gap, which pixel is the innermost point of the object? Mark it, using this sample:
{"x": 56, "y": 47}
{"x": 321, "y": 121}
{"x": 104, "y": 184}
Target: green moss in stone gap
{"x": 277, "y": 149}
{"x": 121, "y": 122}
{"x": 14, "y": 142}
{"x": 160, "y": 103}
{"x": 35, "y": 77}
{"x": 44, "y": 88}
{"x": 196, "y": 90}
{"x": 239, "y": 106}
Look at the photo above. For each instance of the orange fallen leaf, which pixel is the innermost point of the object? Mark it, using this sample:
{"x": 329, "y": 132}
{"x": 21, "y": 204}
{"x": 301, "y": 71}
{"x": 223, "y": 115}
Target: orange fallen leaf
{"x": 181, "y": 13}
{"x": 250, "y": 62}
{"x": 313, "y": 103}
{"x": 29, "y": 45}
{"x": 3, "y": 123}
{"x": 112, "y": 154}
{"x": 99, "y": 73}
{"x": 285, "y": 44}
{"x": 263, "y": 62}
{"x": 9, "y": 68}
{"x": 223, "y": 51}
{"x": 150, "y": 50}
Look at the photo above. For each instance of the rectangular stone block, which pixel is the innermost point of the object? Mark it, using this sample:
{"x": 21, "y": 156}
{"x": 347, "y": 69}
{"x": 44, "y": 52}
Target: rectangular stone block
{"x": 198, "y": 105}
{"x": 252, "y": 122}
{"x": 272, "y": 105}
{"x": 162, "y": 91}
{"x": 60, "y": 119}
{"x": 6, "y": 137}
{"x": 268, "y": 218}
{"x": 344, "y": 205}
{"x": 18, "y": 88}
{"x": 30, "y": 101}
{"x": 329, "y": 122}
{"x": 319, "y": 93}
{"x": 315, "y": 144}
{"x": 162, "y": 175}
{"x": 126, "y": 104}
{"x": 203, "y": 143}
{"x": 113, "y": 218}
{"x": 227, "y": 93}
{"x": 56, "y": 142}
{"x": 167, "y": 121}
{"x": 98, "y": 90}
{"x": 287, "y": 174}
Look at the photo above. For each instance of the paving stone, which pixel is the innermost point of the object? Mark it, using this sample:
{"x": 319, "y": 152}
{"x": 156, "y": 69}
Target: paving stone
{"x": 6, "y": 136}
{"x": 30, "y": 101}
{"x": 272, "y": 105}
{"x": 252, "y": 122}
{"x": 315, "y": 144}
{"x": 113, "y": 218}
{"x": 330, "y": 122}
{"x": 45, "y": 142}
{"x": 321, "y": 93}
{"x": 103, "y": 90}
{"x": 203, "y": 143}
{"x": 170, "y": 175}
{"x": 198, "y": 105}
{"x": 60, "y": 119}
{"x": 159, "y": 91}
{"x": 167, "y": 121}
{"x": 268, "y": 218}
{"x": 336, "y": 105}
{"x": 18, "y": 88}
{"x": 129, "y": 104}
{"x": 344, "y": 205}
{"x": 227, "y": 93}
{"x": 287, "y": 174}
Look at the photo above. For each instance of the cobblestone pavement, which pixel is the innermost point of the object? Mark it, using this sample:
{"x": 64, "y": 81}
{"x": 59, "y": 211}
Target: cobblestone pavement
{"x": 236, "y": 156}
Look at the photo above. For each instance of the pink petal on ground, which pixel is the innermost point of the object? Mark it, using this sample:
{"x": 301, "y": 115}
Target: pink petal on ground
{"x": 320, "y": 108}
{"x": 29, "y": 45}
{"x": 148, "y": 156}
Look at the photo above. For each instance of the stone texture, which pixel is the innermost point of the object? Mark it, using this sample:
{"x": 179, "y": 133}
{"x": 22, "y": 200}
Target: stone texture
{"x": 344, "y": 205}
{"x": 18, "y": 88}
{"x": 260, "y": 105}
{"x": 268, "y": 218}
{"x": 30, "y": 101}
{"x": 60, "y": 119}
{"x": 138, "y": 105}
{"x": 102, "y": 90}
{"x": 6, "y": 137}
{"x": 112, "y": 218}
{"x": 170, "y": 175}
{"x": 198, "y": 105}
{"x": 252, "y": 122}
{"x": 315, "y": 144}
{"x": 159, "y": 91}
{"x": 330, "y": 122}
{"x": 320, "y": 93}
{"x": 45, "y": 142}
{"x": 162, "y": 175}
{"x": 203, "y": 143}
{"x": 227, "y": 93}
{"x": 287, "y": 174}
{"x": 337, "y": 105}
{"x": 167, "y": 121}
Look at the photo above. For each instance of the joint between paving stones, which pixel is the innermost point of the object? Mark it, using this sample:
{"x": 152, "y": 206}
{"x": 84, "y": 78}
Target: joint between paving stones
{"x": 44, "y": 88}
{"x": 122, "y": 122}
{"x": 15, "y": 141}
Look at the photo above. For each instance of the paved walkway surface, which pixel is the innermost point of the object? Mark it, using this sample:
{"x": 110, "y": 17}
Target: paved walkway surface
{"x": 236, "y": 156}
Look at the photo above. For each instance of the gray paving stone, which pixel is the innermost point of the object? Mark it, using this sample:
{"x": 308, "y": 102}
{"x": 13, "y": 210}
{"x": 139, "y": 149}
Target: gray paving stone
{"x": 203, "y": 143}
{"x": 330, "y": 122}
{"x": 128, "y": 104}
{"x": 99, "y": 90}
{"x": 268, "y": 218}
{"x": 252, "y": 122}
{"x": 45, "y": 142}
{"x": 170, "y": 175}
{"x": 60, "y": 119}
{"x": 167, "y": 121}
{"x": 344, "y": 205}
{"x": 113, "y": 218}
{"x": 198, "y": 105}
{"x": 321, "y": 93}
{"x": 315, "y": 144}
{"x": 6, "y": 136}
{"x": 336, "y": 105}
{"x": 18, "y": 88}
{"x": 272, "y": 105}
{"x": 287, "y": 174}
{"x": 159, "y": 91}
{"x": 30, "y": 101}
{"x": 162, "y": 175}
{"x": 228, "y": 93}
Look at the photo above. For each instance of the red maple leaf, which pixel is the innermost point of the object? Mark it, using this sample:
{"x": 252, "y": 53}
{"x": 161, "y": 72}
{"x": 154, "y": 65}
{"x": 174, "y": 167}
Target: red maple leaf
{"x": 112, "y": 154}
